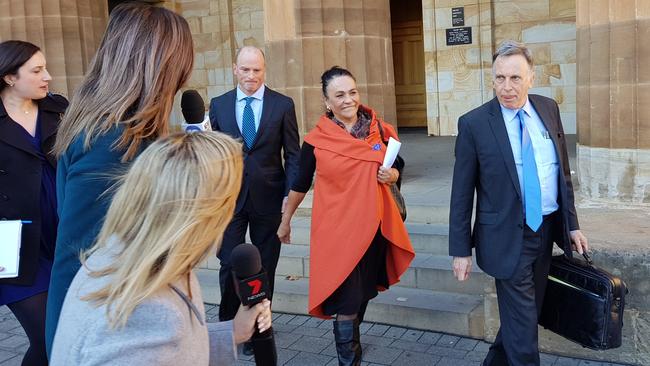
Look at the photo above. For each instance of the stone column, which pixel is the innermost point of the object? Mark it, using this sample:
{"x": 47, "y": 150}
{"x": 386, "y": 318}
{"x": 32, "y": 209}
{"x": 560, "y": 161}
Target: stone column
{"x": 68, "y": 32}
{"x": 613, "y": 100}
{"x": 303, "y": 38}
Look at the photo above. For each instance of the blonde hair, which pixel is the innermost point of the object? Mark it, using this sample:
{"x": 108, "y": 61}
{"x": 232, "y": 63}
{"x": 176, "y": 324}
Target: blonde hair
{"x": 144, "y": 58}
{"x": 168, "y": 214}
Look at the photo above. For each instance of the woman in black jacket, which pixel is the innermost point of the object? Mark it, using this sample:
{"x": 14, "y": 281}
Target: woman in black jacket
{"x": 29, "y": 116}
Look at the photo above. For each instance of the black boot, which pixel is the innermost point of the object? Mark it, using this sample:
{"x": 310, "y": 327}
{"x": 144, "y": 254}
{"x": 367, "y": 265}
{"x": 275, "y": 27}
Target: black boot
{"x": 348, "y": 345}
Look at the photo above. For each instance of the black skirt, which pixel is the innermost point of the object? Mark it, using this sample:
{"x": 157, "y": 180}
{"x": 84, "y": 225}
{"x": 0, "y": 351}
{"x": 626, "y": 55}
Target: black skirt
{"x": 361, "y": 284}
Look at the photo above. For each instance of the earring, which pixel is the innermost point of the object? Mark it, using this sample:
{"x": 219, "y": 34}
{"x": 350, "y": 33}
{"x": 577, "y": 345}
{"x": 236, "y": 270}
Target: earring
{"x": 328, "y": 108}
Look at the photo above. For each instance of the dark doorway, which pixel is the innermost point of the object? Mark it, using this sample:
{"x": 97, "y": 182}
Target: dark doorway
{"x": 408, "y": 62}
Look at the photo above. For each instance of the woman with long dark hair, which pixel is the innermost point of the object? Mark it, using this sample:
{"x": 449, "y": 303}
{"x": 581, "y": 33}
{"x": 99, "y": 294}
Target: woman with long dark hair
{"x": 29, "y": 118}
{"x": 122, "y": 105}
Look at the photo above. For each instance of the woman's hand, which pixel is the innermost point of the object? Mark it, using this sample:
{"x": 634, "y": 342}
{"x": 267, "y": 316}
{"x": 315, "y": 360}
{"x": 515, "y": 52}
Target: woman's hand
{"x": 284, "y": 231}
{"x": 387, "y": 175}
{"x": 248, "y": 317}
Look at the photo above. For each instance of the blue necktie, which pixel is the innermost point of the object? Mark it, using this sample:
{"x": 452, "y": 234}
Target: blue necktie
{"x": 248, "y": 124}
{"x": 532, "y": 192}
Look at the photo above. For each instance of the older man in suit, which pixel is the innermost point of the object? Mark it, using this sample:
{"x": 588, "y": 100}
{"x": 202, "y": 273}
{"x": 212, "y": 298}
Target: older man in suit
{"x": 266, "y": 122}
{"x": 512, "y": 153}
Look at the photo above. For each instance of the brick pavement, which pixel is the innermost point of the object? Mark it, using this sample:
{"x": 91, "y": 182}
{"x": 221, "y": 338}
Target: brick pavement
{"x": 306, "y": 341}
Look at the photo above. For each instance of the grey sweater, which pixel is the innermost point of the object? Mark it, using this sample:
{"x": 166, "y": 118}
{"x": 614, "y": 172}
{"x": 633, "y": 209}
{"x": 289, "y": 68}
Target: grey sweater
{"x": 161, "y": 330}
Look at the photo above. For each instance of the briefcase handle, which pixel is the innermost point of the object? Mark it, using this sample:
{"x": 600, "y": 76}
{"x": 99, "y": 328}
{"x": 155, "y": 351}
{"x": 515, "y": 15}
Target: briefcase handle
{"x": 587, "y": 258}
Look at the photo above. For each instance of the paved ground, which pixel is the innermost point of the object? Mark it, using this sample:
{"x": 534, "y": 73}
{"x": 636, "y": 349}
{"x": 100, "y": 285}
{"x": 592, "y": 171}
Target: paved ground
{"x": 307, "y": 341}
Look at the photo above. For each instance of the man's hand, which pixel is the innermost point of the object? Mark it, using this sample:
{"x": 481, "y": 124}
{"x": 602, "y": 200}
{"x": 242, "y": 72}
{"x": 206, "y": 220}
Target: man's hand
{"x": 462, "y": 266}
{"x": 579, "y": 241}
{"x": 247, "y": 318}
{"x": 284, "y": 232}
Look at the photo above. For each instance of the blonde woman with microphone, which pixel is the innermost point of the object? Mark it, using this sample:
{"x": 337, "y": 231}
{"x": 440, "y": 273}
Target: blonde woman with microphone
{"x": 136, "y": 299}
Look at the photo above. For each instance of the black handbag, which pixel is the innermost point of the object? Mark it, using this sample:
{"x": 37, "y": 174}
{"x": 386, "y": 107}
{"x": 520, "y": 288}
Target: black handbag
{"x": 395, "y": 188}
{"x": 584, "y": 303}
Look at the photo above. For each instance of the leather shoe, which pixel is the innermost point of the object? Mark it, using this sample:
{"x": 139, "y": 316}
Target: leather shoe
{"x": 247, "y": 349}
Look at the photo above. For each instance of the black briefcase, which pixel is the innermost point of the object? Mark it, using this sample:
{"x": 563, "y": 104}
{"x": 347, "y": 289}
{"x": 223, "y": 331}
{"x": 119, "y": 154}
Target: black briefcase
{"x": 584, "y": 303}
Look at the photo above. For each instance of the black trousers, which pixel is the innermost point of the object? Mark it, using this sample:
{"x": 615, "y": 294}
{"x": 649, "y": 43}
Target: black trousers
{"x": 263, "y": 233}
{"x": 520, "y": 301}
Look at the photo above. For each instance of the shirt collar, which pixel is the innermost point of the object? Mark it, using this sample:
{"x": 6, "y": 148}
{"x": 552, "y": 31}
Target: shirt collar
{"x": 259, "y": 94}
{"x": 510, "y": 114}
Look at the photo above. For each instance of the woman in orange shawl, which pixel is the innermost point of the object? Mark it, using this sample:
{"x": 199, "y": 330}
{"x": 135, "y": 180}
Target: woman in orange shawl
{"x": 359, "y": 244}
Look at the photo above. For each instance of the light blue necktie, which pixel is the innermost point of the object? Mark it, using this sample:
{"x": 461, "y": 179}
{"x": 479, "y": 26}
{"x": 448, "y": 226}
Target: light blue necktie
{"x": 248, "y": 123}
{"x": 532, "y": 192}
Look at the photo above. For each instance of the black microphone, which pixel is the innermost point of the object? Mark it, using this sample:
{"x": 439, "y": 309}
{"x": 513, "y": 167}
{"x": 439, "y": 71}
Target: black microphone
{"x": 252, "y": 287}
{"x": 193, "y": 109}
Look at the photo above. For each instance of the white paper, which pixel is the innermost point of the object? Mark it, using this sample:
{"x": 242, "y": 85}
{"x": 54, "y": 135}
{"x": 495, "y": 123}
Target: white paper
{"x": 10, "y": 247}
{"x": 391, "y": 152}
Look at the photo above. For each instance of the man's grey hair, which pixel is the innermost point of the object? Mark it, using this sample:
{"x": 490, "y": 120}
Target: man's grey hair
{"x": 511, "y": 48}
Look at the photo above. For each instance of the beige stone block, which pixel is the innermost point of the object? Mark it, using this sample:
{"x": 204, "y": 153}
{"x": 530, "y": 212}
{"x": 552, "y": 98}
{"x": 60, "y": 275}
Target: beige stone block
{"x": 199, "y": 78}
{"x": 257, "y": 19}
{"x": 376, "y": 18}
{"x": 511, "y": 31}
{"x": 429, "y": 40}
{"x": 428, "y": 4}
{"x": 209, "y": 24}
{"x": 467, "y": 79}
{"x": 623, "y": 116}
{"x": 49, "y": 8}
{"x": 349, "y": 17}
{"x": 241, "y": 21}
{"x": 246, "y": 6}
{"x": 563, "y": 52}
{"x": 254, "y": 37}
{"x": 311, "y": 18}
{"x": 582, "y": 13}
{"x": 546, "y": 91}
{"x": 549, "y": 32}
{"x": 643, "y": 50}
{"x": 599, "y": 115}
{"x": 599, "y": 56}
{"x": 445, "y": 81}
{"x": 280, "y": 19}
{"x": 203, "y": 42}
{"x": 485, "y": 14}
{"x": 313, "y": 60}
{"x": 622, "y": 10}
{"x": 428, "y": 19}
{"x": 599, "y": 12}
{"x": 562, "y": 8}
{"x": 565, "y": 95}
{"x": 199, "y": 8}
{"x": 643, "y": 110}
{"x": 213, "y": 59}
{"x": 541, "y": 53}
{"x": 376, "y": 65}
{"x": 293, "y": 62}
{"x": 335, "y": 51}
{"x": 314, "y": 106}
{"x": 520, "y": 11}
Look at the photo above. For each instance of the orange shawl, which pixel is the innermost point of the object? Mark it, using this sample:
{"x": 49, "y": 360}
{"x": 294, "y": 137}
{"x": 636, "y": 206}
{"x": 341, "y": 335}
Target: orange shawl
{"x": 349, "y": 205}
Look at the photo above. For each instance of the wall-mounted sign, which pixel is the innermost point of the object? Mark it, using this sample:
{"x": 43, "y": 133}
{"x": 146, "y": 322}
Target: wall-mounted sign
{"x": 458, "y": 17}
{"x": 458, "y": 36}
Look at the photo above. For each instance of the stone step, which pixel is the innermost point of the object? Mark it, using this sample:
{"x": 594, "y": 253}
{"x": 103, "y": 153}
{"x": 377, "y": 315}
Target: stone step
{"x": 425, "y": 238}
{"x": 427, "y": 271}
{"x": 447, "y": 312}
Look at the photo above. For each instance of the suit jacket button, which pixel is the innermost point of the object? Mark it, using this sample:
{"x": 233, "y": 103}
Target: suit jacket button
{"x": 3, "y": 172}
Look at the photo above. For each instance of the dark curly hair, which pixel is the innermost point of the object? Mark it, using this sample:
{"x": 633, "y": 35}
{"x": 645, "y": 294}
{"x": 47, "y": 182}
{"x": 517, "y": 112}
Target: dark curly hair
{"x": 331, "y": 73}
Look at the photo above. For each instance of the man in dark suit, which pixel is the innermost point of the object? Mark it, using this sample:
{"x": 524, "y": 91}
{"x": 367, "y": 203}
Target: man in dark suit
{"x": 512, "y": 153}
{"x": 266, "y": 122}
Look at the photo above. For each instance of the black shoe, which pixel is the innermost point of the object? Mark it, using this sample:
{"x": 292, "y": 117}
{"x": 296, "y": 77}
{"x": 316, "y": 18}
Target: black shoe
{"x": 348, "y": 345}
{"x": 247, "y": 349}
